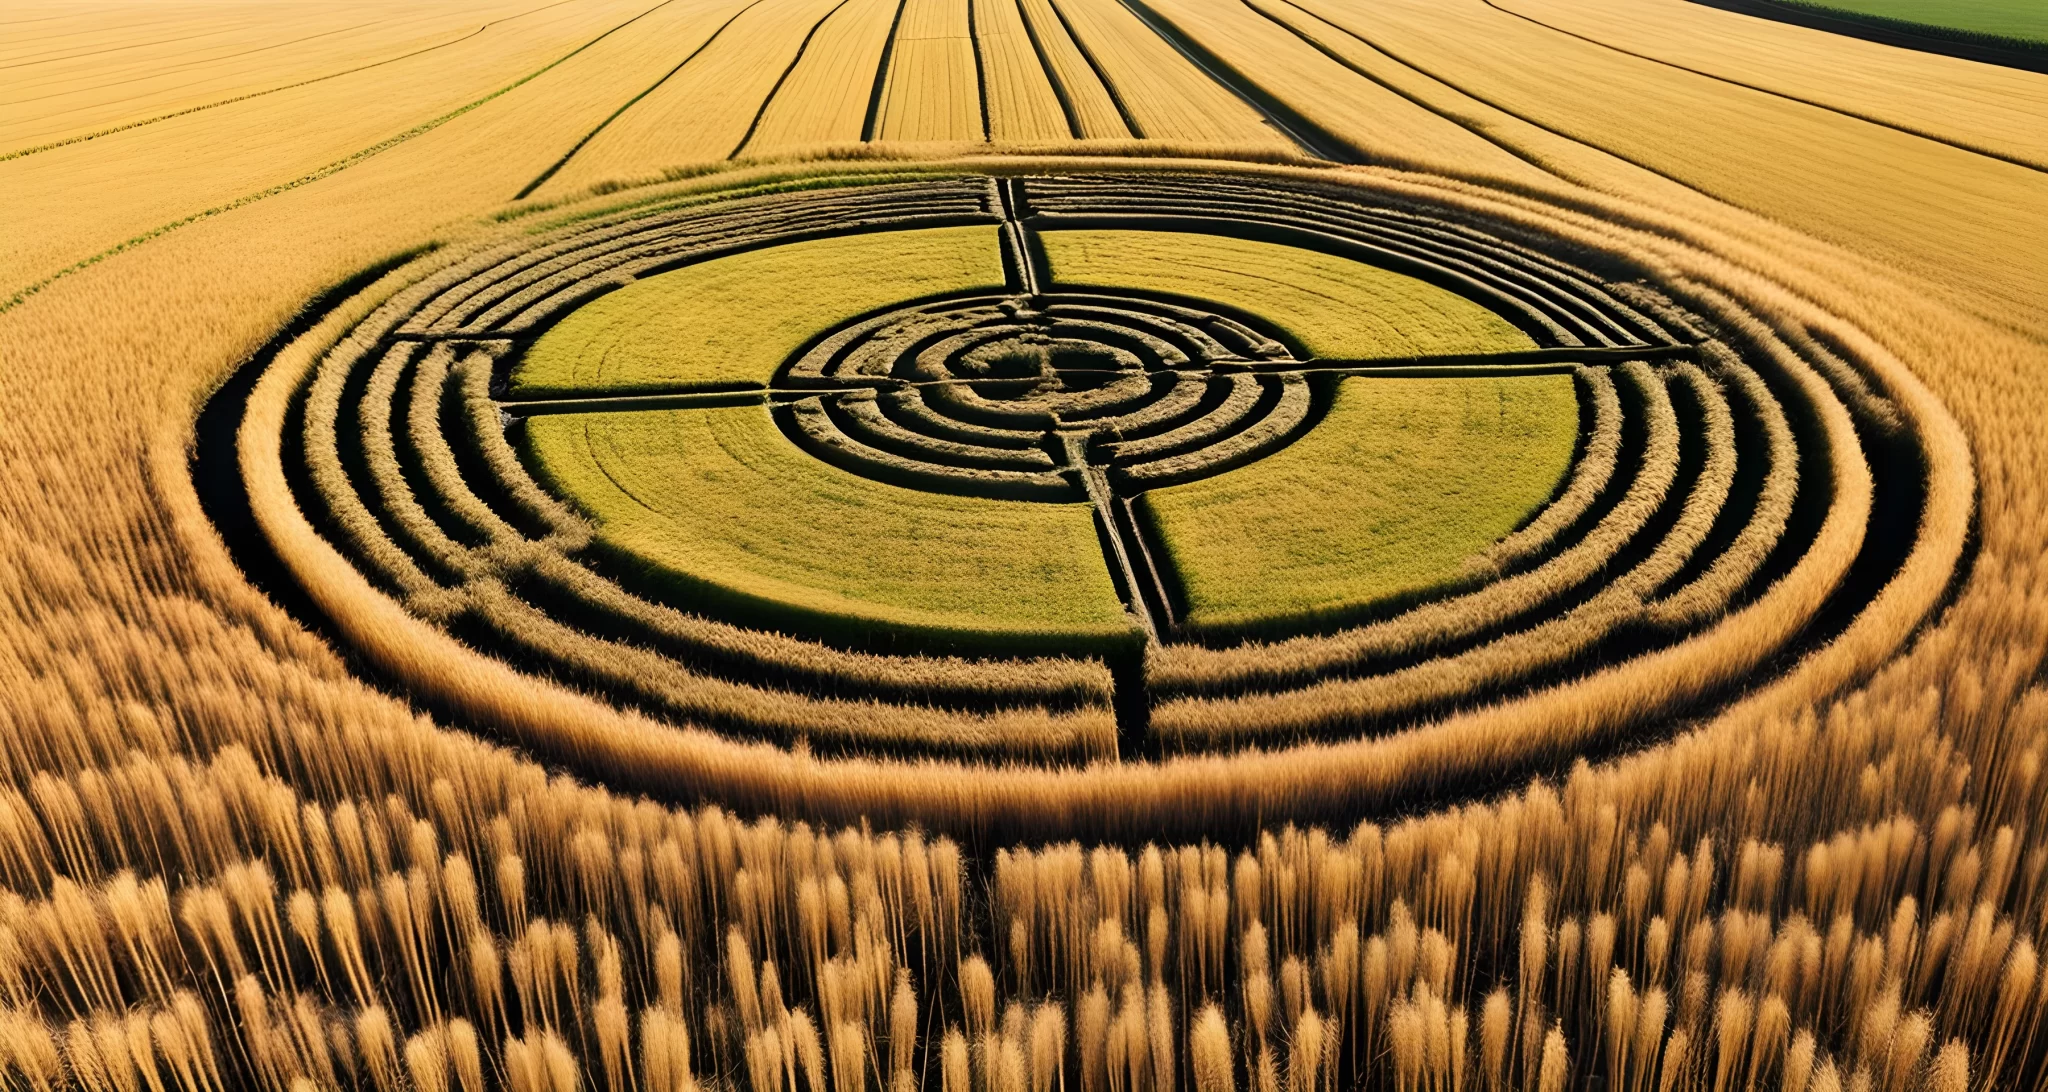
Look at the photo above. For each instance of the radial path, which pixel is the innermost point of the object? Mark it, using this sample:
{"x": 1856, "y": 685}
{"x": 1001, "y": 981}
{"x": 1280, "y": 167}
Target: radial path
{"x": 1064, "y": 395}
{"x": 1078, "y": 469}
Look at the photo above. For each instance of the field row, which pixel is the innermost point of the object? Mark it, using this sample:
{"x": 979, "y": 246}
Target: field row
{"x": 803, "y": 75}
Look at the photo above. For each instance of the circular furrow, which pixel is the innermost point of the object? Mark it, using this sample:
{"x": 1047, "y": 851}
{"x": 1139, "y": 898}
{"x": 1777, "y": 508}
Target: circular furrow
{"x": 1592, "y": 471}
{"x": 509, "y": 293}
{"x": 812, "y": 426}
{"x": 1179, "y": 399}
{"x": 1283, "y": 408}
{"x": 1197, "y": 335}
{"x": 871, "y": 349}
{"x": 1455, "y": 623}
{"x": 1722, "y": 479}
{"x": 859, "y": 415}
{"x": 334, "y": 484}
{"x": 523, "y": 502}
{"x": 1130, "y": 376}
{"x": 1573, "y": 307}
{"x": 907, "y": 407}
{"x": 1242, "y": 394}
{"x": 1732, "y": 567}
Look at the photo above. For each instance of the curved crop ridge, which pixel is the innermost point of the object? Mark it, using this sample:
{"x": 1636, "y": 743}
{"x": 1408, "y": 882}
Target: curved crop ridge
{"x": 1686, "y": 470}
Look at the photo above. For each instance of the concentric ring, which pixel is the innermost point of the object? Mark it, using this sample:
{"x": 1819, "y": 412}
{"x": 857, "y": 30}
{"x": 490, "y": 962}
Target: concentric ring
{"x": 1715, "y": 462}
{"x": 986, "y": 395}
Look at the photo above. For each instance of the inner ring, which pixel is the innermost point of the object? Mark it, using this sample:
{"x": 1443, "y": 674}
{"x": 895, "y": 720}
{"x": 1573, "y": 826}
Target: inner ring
{"x": 1055, "y": 397}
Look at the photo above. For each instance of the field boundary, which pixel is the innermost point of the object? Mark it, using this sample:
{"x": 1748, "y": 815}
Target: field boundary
{"x": 1904, "y": 33}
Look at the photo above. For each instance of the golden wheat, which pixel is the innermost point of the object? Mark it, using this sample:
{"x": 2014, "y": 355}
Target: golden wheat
{"x": 227, "y": 863}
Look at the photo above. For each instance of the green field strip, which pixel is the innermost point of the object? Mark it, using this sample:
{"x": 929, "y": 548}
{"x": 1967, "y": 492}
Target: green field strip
{"x": 718, "y": 511}
{"x": 1388, "y": 499}
{"x": 1332, "y": 307}
{"x": 730, "y": 322}
{"x": 2021, "y": 21}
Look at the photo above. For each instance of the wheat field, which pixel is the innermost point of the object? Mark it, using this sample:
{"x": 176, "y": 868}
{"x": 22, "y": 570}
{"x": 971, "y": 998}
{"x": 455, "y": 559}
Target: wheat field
{"x": 1018, "y": 546}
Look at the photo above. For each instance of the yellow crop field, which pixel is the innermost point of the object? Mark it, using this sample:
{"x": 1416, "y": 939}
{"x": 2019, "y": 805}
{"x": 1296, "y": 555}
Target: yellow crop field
{"x": 1024, "y": 106}
{"x": 213, "y": 157}
{"x": 84, "y": 72}
{"x": 704, "y": 104}
{"x": 1078, "y": 78}
{"x": 823, "y": 101}
{"x": 1020, "y": 546}
{"x": 1163, "y": 95}
{"x": 933, "y": 88}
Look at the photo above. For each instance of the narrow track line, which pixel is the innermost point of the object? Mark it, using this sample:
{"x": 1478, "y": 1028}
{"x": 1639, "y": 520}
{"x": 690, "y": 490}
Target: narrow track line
{"x": 1307, "y": 135}
{"x": 96, "y": 134}
{"x": 1508, "y": 111}
{"x": 83, "y": 13}
{"x": 874, "y": 116}
{"x": 588, "y": 137}
{"x": 769, "y": 99}
{"x": 1318, "y": 46}
{"x": 113, "y": 49}
{"x": 1009, "y": 191}
{"x": 1958, "y": 145}
{"x": 155, "y": 72}
{"x": 1123, "y": 108}
{"x": 980, "y": 70}
{"x": 1101, "y": 498}
{"x": 1059, "y": 88}
{"x": 630, "y": 402}
{"x": 1476, "y": 364}
{"x": 48, "y": 18}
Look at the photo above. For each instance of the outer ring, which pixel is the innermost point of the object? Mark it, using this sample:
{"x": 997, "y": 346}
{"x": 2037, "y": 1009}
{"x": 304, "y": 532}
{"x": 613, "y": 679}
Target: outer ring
{"x": 1207, "y": 796}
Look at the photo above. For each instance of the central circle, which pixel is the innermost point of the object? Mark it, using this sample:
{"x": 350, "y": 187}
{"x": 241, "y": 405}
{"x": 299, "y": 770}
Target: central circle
{"x": 1060, "y": 377}
{"x": 1057, "y": 396}
{"x": 1051, "y": 364}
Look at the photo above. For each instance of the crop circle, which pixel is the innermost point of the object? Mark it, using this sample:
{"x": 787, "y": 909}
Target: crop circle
{"x": 1074, "y": 474}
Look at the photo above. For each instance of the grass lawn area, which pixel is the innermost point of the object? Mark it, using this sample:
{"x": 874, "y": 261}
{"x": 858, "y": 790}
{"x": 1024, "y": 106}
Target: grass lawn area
{"x": 727, "y": 516}
{"x": 1335, "y": 307}
{"x": 732, "y": 321}
{"x": 2022, "y": 20}
{"x": 1384, "y": 501}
